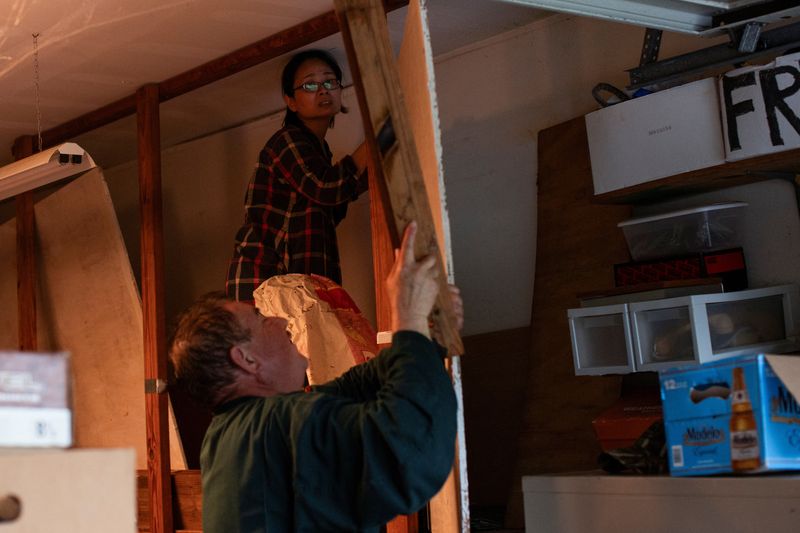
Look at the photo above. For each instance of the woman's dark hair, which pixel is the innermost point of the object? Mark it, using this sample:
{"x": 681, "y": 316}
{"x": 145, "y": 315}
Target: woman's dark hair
{"x": 289, "y": 71}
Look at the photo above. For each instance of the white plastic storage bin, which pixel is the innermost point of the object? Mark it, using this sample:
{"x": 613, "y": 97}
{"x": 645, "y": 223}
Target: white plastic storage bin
{"x": 601, "y": 340}
{"x": 711, "y": 327}
{"x": 688, "y": 231}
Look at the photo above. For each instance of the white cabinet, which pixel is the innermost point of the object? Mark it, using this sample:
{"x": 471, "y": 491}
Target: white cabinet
{"x": 601, "y": 503}
{"x": 659, "y": 334}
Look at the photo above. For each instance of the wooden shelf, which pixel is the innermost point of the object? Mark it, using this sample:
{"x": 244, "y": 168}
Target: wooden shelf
{"x": 779, "y": 165}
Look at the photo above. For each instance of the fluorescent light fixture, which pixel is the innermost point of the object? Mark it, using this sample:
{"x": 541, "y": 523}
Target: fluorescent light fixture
{"x": 686, "y": 16}
{"x": 45, "y": 167}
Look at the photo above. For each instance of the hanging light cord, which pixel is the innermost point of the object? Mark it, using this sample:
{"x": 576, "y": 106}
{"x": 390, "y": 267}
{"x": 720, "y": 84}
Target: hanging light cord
{"x": 36, "y": 87}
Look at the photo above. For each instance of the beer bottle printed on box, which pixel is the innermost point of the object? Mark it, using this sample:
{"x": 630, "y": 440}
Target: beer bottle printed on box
{"x": 745, "y": 454}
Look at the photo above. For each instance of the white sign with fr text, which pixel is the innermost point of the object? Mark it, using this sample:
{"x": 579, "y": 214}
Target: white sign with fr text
{"x": 761, "y": 108}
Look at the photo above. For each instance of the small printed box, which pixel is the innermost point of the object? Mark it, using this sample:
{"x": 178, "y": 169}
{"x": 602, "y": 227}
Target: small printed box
{"x": 601, "y": 340}
{"x": 761, "y": 108}
{"x": 739, "y": 415}
{"x": 727, "y": 265}
{"x": 637, "y": 141}
{"x": 710, "y": 327}
{"x": 35, "y": 400}
{"x": 621, "y": 425}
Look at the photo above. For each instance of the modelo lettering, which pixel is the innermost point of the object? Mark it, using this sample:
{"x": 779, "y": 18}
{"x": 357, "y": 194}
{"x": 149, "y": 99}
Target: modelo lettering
{"x": 774, "y": 102}
{"x": 784, "y": 407}
{"x": 703, "y": 436}
{"x": 786, "y": 402}
{"x": 744, "y": 439}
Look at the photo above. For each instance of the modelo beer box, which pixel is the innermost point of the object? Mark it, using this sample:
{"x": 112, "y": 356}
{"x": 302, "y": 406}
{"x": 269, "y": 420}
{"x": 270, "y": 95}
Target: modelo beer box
{"x": 35, "y": 400}
{"x": 739, "y": 415}
{"x": 761, "y": 108}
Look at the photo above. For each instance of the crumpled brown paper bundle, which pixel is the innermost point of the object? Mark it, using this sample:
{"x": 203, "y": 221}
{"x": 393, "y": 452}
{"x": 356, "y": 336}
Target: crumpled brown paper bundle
{"x": 325, "y": 323}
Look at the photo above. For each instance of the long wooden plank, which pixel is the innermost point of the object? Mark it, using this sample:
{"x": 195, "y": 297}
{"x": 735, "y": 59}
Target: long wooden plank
{"x": 387, "y": 129}
{"x": 382, "y": 261}
{"x": 382, "y": 249}
{"x": 155, "y": 357}
{"x": 408, "y": 158}
{"x": 248, "y": 56}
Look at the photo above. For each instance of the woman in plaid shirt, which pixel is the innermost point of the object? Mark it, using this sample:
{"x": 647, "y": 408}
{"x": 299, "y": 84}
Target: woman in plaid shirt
{"x": 296, "y": 196}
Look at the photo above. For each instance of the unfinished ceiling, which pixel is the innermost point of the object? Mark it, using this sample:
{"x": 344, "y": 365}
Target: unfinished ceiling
{"x": 94, "y": 52}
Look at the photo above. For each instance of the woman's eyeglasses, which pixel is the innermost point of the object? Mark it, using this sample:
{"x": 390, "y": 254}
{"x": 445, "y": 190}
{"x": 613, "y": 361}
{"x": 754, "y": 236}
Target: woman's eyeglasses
{"x": 313, "y": 86}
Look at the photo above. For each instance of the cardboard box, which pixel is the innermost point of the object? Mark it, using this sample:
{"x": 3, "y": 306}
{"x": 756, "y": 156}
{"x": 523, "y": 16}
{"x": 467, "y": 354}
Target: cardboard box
{"x": 70, "y": 491}
{"x": 35, "y": 400}
{"x": 717, "y": 422}
{"x": 727, "y": 265}
{"x": 761, "y": 108}
{"x": 662, "y": 134}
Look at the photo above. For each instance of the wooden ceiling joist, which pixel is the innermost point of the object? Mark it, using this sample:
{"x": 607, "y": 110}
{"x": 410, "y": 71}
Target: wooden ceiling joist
{"x": 217, "y": 69}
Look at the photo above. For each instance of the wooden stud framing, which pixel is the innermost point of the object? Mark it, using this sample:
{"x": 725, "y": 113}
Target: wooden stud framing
{"x": 155, "y": 360}
{"x": 26, "y": 257}
{"x": 145, "y": 104}
{"x": 382, "y": 261}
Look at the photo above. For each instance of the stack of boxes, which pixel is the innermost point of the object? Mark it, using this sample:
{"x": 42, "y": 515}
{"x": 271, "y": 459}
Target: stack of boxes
{"x": 728, "y": 407}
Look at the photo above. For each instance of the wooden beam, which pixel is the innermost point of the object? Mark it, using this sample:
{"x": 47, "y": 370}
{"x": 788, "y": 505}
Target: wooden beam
{"x": 248, "y": 56}
{"x": 26, "y": 257}
{"x": 187, "y": 489}
{"x": 390, "y": 136}
{"x": 399, "y": 190}
{"x": 382, "y": 261}
{"x": 155, "y": 358}
{"x": 382, "y": 249}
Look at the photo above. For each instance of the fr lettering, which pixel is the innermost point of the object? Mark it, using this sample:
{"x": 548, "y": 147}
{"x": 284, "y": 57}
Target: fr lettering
{"x": 774, "y": 102}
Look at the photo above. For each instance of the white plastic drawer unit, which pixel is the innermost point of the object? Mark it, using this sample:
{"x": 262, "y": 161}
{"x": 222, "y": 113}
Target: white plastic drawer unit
{"x": 710, "y": 327}
{"x": 601, "y": 340}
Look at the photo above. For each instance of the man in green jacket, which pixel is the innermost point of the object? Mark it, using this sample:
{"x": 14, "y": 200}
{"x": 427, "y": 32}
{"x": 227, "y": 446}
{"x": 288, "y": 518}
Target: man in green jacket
{"x": 348, "y": 455}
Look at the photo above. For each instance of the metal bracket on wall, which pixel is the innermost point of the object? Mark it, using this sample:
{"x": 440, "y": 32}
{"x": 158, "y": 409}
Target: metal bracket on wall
{"x": 766, "y": 44}
{"x": 748, "y": 39}
{"x": 650, "y": 46}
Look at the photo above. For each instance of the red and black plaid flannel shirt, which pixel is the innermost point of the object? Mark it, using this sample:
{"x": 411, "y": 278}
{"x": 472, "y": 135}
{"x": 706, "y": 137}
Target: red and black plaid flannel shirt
{"x": 293, "y": 203}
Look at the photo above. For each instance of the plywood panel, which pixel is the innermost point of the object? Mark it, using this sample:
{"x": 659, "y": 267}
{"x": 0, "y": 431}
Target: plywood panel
{"x": 450, "y": 507}
{"x": 9, "y": 330}
{"x": 415, "y": 70}
{"x": 578, "y": 242}
{"x": 89, "y": 306}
